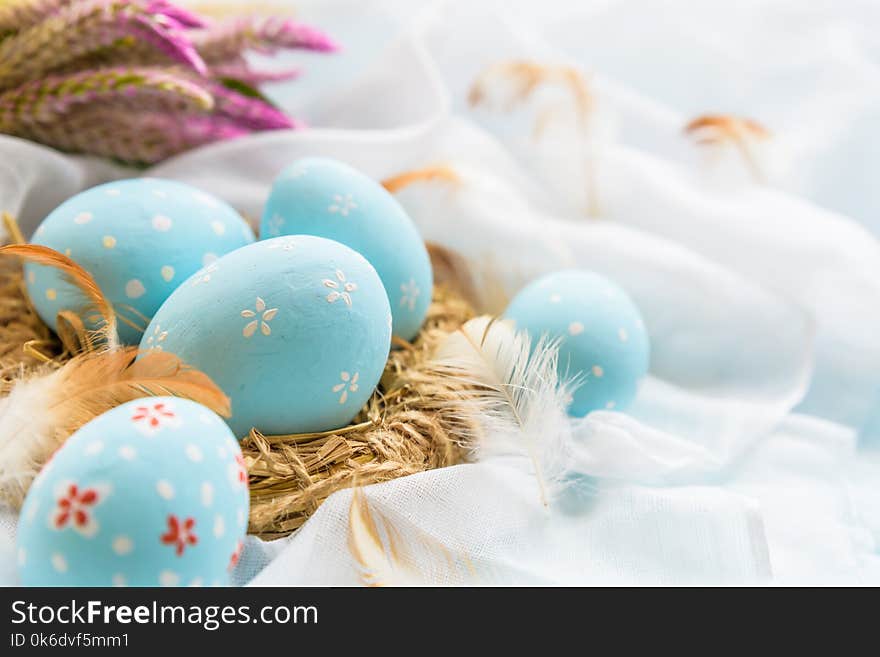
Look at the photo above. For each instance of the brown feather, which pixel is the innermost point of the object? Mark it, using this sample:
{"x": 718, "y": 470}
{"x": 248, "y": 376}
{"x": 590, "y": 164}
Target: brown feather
{"x": 95, "y": 383}
{"x": 42, "y": 411}
{"x": 75, "y": 275}
{"x": 723, "y": 126}
{"x": 384, "y": 558}
{"x": 407, "y": 178}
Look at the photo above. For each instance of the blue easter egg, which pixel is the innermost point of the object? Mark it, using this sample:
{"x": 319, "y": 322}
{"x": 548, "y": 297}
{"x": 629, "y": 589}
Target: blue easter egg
{"x": 151, "y": 493}
{"x": 602, "y": 334}
{"x": 140, "y": 239}
{"x": 296, "y": 330}
{"x": 323, "y": 197}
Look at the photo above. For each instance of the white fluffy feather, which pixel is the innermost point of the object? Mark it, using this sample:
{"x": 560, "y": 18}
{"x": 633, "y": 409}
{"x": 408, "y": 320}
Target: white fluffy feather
{"x": 515, "y": 396}
{"x": 26, "y": 435}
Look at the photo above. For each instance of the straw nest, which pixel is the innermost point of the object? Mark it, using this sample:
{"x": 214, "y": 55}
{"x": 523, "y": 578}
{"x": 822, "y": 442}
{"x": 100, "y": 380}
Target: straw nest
{"x": 409, "y": 424}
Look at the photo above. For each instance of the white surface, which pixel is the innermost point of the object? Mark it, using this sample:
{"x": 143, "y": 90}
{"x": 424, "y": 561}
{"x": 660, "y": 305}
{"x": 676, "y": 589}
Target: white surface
{"x": 758, "y": 302}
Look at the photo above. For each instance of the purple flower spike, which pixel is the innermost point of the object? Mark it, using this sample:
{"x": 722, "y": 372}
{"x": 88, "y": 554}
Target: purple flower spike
{"x": 138, "y": 80}
{"x": 50, "y": 99}
{"x": 22, "y": 14}
{"x": 290, "y": 34}
{"x": 83, "y": 28}
{"x": 172, "y": 42}
{"x": 229, "y": 40}
{"x": 251, "y": 113}
{"x": 182, "y": 17}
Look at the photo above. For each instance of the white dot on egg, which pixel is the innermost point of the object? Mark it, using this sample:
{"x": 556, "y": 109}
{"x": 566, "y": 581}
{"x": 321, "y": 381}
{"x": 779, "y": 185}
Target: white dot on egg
{"x": 169, "y": 578}
{"x": 207, "y": 494}
{"x": 32, "y": 277}
{"x": 112, "y": 192}
{"x": 83, "y": 218}
{"x": 208, "y": 258}
{"x": 197, "y": 582}
{"x": 555, "y": 298}
{"x": 134, "y": 289}
{"x": 575, "y": 328}
{"x": 205, "y": 199}
{"x": 122, "y": 545}
{"x": 204, "y": 418}
{"x": 219, "y": 526}
{"x": 119, "y": 580}
{"x": 167, "y": 272}
{"x": 240, "y": 517}
{"x": 108, "y": 241}
{"x": 598, "y": 371}
{"x": 165, "y": 489}
{"x": 32, "y": 512}
{"x": 127, "y": 452}
{"x": 51, "y": 294}
{"x": 622, "y": 334}
{"x": 59, "y": 563}
{"x": 158, "y": 193}
{"x": 610, "y": 405}
{"x": 218, "y": 227}
{"x": 94, "y": 448}
{"x": 161, "y": 223}
{"x": 193, "y": 453}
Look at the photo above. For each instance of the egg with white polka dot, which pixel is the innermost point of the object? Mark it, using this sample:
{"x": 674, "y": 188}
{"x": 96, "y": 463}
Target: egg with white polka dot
{"x": 327, "y": 198}
{"x": 602, "y": 337}
{"x": 295, "y": 329}
{"x": 140, "y": 239}
{"x": 152, "y": 493}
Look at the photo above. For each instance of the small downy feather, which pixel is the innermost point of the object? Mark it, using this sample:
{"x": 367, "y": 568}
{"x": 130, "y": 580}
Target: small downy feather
{"x": 513, "y": 394}
{"x": 42, "y": 411}
{"x": 384, "y": 558}
{"x": 74, "y": 274}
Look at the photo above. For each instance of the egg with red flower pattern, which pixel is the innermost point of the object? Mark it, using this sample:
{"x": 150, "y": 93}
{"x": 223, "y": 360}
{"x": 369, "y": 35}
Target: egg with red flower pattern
{"x": 151, "y": 493}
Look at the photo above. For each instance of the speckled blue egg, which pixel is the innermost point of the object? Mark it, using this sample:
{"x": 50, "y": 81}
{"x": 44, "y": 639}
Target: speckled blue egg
{"x": 296, "y": 330}
{"x": 151, "y": 493}
{"x": 602, "y": 335}
{"x": 318, "y": 196}
{"x": 140, "y": 239}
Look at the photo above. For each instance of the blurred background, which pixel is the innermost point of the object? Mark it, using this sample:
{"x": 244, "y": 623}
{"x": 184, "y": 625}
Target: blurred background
{"x": 808, "y": 70}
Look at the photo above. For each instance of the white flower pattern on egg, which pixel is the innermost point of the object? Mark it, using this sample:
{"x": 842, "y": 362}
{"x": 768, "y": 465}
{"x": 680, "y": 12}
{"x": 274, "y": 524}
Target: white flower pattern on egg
{"x": 265, "y": 316}
{"x": 341, "y": 288}
{"x": 275, "y": 224}
{"x": 348, "y": 384}
{"x": 342, "y": 204}
{"x": 410, "y": 294}
{"x": 157, "y": 336}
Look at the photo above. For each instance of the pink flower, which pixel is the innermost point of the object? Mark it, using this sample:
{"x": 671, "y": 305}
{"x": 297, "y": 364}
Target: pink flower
{"x": 180, "y": 534}
{"x": 74, "y": 509}
{"x": 150, "y": 418}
